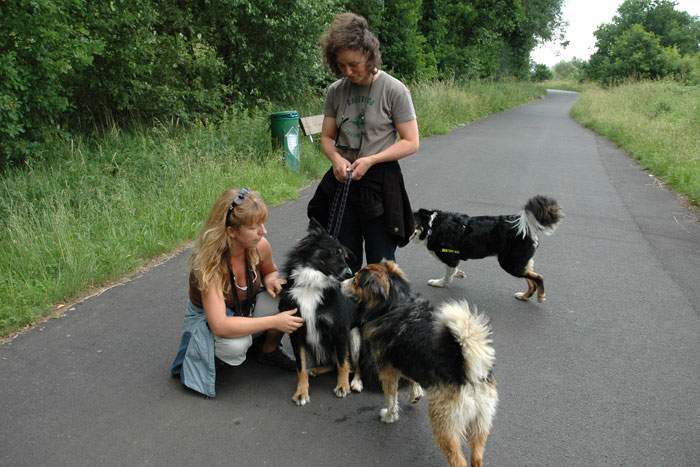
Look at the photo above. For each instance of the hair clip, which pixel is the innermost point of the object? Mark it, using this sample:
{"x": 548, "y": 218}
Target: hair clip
{"x": 237, "y": 201}
{"x": 240, "y": 197}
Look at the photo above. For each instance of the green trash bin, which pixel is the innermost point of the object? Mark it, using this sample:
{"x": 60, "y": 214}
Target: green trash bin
{"x": 284, "y": 127}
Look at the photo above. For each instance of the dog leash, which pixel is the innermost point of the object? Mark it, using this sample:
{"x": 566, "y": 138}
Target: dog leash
{"x": 338, "y": 207}
{"x": 341, "y": 193}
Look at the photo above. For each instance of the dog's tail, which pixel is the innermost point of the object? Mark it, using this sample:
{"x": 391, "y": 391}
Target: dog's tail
{"x": 471, "y": 407}
{"x": 473, "y": 333}
{"x": 540, "y": 214}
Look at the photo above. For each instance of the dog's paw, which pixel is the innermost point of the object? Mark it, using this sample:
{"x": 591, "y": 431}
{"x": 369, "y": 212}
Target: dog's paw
{"x": 459, "y": 274}
{"x": 437, "y": 282}
{"x": 521, "y": 296}
{"x": 541, "y": 298}
{"x": 341, "y": 391}
{"x": 416, "y": 393}
{"x": 356, "y": 385}
{"x": 301, "y": 399}
{"x": 388, "y": 416}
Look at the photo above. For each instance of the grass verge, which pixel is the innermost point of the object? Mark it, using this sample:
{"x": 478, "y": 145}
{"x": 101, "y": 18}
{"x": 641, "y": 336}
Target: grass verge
{"x": 85, "y": 212}
{"x": 657, "y": 122}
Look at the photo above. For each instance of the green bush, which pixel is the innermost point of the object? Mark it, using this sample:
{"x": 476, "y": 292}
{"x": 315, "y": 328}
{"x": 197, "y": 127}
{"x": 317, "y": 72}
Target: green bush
{"x": 689, "y": 69}
{"x": 269, "y": 46}
{"x": 73, "y": 66}
{"x": 541, "y": 72}
{"x": 639, "y": 54}
{"x": 42, "y": 48}
{"x": 404, "y": 49}
{"x": 569, "y": 70}
{"x": 143, "y": 73}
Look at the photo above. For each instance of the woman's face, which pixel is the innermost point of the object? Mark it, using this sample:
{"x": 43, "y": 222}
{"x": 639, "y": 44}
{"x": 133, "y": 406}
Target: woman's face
{"x": 353, "y": 65}
{"x": 248, "y": 236}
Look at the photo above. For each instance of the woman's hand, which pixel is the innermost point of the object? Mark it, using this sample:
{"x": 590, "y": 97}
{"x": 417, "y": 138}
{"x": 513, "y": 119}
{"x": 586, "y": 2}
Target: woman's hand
{"x": 361, "y": 166}
{"x": 274, "y": 283}
{"x": 287, "y": 322}
{"x": 340, "y": 168}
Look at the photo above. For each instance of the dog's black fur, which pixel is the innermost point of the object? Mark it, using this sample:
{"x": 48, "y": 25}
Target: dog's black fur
{"x": 446, "y": 351}
{"x": 314, "y": 269}
{"x": 454, "y": 237}
{"x": 402, "y": 329}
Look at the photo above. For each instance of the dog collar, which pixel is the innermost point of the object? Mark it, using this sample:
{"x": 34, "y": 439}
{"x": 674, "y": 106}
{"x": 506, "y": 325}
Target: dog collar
{"x": 449, "y": 250}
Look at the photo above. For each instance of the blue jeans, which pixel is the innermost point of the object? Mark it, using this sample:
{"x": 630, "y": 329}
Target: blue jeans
{"x": 378, "y": 244}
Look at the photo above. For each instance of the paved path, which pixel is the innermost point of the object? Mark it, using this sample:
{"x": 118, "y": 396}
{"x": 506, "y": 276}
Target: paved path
{"x": 605, "y": 372}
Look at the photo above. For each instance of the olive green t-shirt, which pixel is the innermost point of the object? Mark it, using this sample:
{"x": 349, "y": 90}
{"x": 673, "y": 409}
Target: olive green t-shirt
{"x": 384, "y": 103}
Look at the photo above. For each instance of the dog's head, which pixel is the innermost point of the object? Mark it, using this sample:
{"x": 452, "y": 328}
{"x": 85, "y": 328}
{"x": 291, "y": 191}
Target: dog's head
{"x": 546, "y": 211}
{"x": 423, "y": 219}
{"x": 321, "y": 252}
{"x": 377, "y": 284}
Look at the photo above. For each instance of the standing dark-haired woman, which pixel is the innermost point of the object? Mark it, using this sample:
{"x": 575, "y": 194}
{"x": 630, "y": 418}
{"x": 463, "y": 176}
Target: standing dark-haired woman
{"x": 369, "y": 124}
{"x": 230, "y": 264}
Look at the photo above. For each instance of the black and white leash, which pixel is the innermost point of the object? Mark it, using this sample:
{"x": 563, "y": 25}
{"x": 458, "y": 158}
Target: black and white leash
{"x": 340, "y": 199}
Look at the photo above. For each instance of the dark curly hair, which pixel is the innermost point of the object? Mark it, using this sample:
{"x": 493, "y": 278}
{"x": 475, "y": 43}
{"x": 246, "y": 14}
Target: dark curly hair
{"x": 349, "y": 31}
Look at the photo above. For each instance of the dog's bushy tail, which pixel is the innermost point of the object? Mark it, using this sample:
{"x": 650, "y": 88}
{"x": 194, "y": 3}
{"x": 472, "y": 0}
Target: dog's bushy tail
{"x": 540, "y": 214}
{"x": 473, "y": 333}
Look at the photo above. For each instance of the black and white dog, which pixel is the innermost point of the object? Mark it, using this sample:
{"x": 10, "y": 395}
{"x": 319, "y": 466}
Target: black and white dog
{"x": 454, "y": 237}
{"x": 314, "y": 269}
{"x": 446, "y": 350}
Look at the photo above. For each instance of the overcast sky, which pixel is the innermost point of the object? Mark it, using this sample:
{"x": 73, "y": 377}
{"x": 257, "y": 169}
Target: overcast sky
{"x": 584, "y": 17}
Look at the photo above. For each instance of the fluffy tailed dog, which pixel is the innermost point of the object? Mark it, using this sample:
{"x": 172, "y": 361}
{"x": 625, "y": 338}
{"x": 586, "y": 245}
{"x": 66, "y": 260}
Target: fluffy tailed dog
{"x": 447, "y": 351}
{"x": 314, "y": 269}
{"x": 454, "y": 237}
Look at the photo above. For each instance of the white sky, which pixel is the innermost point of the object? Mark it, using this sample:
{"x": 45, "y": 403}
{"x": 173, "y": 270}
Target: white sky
{"x": 584, "y": 17}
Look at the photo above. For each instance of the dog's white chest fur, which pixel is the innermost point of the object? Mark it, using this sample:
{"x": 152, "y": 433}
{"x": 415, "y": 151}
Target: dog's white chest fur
{"x": 307, "y": 292}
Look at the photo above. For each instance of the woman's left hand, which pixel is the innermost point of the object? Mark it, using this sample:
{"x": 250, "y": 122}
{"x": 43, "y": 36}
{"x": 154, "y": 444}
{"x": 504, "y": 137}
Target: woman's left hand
{"x": 274, "y": 283}
{"x": 361, "y": 166}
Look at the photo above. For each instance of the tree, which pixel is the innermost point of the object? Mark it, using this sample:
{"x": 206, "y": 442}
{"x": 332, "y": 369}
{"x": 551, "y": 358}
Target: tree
{"x": 487, "y": 38}
{"x": 404, "y": 48}
{"x": 646, "y": 39}
{"x": 40, "y": 50}
{"x": 541, "y": 72}
{"x": 269, "y": 47}
{"x": 639, "y": 54}
{"x": 569, "y": 70}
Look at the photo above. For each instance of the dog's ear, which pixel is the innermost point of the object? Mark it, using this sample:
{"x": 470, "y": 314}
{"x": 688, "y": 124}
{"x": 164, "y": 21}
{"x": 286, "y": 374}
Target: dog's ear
{"x": 393, "y": 269}
{"x": 315, "y": 227}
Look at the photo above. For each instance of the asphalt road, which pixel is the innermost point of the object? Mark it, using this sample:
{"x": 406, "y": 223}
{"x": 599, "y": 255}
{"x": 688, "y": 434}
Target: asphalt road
{"x": 605, "y": 372}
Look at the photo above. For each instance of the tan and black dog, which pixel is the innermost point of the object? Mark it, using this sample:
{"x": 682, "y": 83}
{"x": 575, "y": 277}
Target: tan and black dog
{"x": 446, "y": 350}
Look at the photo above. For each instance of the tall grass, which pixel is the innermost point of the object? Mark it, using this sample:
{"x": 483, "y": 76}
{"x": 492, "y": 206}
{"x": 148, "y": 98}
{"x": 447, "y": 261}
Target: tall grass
{"x": 657, "y": 122}
{"x": 441, "y": 106}
{"x": 99, "y": 208}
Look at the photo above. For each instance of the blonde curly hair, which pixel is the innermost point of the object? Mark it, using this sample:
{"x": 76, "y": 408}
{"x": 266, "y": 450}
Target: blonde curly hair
{"x": 212, "y": 246}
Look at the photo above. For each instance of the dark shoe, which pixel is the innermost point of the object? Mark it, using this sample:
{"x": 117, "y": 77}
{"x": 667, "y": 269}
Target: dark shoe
{"x": 256, "y": 348}
{"x": 277, "y": 358}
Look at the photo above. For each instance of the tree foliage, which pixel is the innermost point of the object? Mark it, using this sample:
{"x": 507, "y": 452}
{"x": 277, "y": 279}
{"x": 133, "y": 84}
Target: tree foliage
{"x": 541, "y": 72}
{"x": 573, "y": 69}
{"x": 646, "y": 39}
{"x": 74, "y": 65}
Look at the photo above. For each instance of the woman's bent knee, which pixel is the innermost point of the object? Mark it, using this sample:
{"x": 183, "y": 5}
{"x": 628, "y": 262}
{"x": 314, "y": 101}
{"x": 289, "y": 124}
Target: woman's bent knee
{"x": 232, "y": 350}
